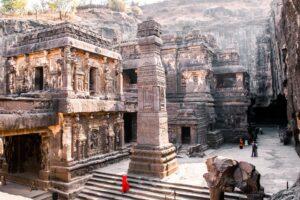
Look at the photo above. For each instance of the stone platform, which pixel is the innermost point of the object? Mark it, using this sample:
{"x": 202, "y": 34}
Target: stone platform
{"x": 153, "y": 161}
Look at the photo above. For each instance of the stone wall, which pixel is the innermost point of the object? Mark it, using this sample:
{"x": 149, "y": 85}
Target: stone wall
{"x": 285, "y": 23}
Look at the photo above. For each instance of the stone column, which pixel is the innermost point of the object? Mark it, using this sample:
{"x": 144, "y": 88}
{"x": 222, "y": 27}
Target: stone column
{"x": 153, "y": 155}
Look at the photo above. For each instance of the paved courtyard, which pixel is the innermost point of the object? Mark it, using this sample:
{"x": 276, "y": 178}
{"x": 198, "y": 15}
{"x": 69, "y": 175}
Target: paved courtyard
{"x": 276, "y": 163}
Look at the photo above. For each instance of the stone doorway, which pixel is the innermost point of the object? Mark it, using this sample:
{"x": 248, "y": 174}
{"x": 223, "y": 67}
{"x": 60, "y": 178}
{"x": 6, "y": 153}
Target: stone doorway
{"x": 39, "y": 78}
{"x": 185, "y": 135}
{"x": 130, "y": 120}
{"x": 23, "y": 154}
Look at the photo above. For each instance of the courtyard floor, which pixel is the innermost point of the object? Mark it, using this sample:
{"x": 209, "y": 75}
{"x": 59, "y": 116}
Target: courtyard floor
{"x": 278, "y": 164}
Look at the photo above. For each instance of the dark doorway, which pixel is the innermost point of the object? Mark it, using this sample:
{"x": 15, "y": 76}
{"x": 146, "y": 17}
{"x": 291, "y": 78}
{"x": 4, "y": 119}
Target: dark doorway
{"x": 92, "y": 83}
{"x": 130, "y": 127}
{"x": 23, "y": 153}
{"x": 274, "y": 114}
{"x": 39, "y": 78}
{"x": 132, "y": 76}
{"x": 185, "y": 135}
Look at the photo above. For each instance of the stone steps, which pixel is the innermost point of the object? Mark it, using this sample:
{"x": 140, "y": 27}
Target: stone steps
{"x": 45, "y": 195}
{"x": 108, "y": 186}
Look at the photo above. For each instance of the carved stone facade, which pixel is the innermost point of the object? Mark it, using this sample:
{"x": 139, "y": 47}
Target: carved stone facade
{"x": 63, "y": 108}
{"x": 205, "y": 87}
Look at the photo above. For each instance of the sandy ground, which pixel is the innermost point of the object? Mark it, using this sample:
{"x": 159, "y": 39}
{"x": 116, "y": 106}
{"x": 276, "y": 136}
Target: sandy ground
{"x": 6, "y": 196}
{"x": 276, "y": 163}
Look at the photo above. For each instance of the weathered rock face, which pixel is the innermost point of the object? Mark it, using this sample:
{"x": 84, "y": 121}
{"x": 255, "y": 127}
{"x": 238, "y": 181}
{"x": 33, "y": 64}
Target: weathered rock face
{"x": 9, "y": 29}
{"x": 285, "y": 25}
{"x": 110, "y": 24}
{"x": 224, "y": 175}
{"x": 236, "y": 24}
{"x": 292, "y": 193}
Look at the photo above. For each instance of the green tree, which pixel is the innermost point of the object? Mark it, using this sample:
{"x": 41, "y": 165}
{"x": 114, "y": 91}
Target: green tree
{"x": 117, "y": 5}
{"x": 63, "y": 6}
{"x": 14, "y": 6}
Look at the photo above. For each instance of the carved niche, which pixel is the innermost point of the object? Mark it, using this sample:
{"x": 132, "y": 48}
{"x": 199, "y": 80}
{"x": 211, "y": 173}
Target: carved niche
{"x": 79, "y": 139}
{"x": 77, "y": 72}
{"x": 162, "y": 98}
{"x": 94, "y": 142}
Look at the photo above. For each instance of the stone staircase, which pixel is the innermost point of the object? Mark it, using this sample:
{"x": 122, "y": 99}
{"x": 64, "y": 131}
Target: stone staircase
{"x": 42, "y": 195}
{"x": 183, "y": 150}
{"x": 108, "y": 186}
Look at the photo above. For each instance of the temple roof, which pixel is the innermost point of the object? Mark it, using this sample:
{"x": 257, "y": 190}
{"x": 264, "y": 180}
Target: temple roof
{"x": 61, "y": 35}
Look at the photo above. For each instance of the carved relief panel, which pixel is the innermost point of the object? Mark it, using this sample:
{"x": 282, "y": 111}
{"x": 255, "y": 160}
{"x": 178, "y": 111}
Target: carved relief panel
{"x": 94, "y": 142}
{"x": 148, "y": 95}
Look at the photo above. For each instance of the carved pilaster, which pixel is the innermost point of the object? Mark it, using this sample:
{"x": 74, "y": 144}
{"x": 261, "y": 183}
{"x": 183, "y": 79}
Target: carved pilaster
{"x": 108, "y": 79}
{"x": 119, "y": 75}
{"x": 67, "y": 142}
{"x": 67, "y": 70}
{"x": 45, "y": 157}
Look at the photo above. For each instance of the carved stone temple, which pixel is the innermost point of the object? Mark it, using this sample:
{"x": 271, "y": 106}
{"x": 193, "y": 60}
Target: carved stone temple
{"x": 74, "y": 101}
{"x": 153, "y": 155}
{"x": 62, "y": 108}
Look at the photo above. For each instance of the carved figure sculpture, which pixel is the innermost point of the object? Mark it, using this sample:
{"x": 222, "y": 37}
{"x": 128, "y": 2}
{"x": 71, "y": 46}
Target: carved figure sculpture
{"x": 108, "y": 81}
{"x": 11, "y": 75}
{"x": 79, "y": 139}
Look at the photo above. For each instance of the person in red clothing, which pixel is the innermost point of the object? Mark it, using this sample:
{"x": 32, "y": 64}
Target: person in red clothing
{"x": 241, "y": 143}
{"x": 125, "y": 184}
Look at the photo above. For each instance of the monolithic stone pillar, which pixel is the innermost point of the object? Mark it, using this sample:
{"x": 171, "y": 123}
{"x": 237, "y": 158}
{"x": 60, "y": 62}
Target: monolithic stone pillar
{"x": 153, "y": 155}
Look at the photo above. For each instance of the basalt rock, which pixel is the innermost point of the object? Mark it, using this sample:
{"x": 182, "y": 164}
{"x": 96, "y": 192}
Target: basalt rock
{"x": 292, "y": 193}
{"x": 224, "y": 175}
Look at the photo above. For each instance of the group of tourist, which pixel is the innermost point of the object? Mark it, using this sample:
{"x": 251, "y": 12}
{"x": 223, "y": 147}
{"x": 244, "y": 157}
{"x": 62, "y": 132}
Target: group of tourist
{"x": 252, "y": 137}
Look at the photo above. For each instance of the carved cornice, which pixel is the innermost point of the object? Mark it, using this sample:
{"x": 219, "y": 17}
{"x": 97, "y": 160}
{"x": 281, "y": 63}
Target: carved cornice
{"x": 61, "y": 30}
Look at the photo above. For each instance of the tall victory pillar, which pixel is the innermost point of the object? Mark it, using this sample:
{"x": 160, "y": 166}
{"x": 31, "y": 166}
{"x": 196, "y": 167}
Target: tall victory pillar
{"x": 153, "y": 155}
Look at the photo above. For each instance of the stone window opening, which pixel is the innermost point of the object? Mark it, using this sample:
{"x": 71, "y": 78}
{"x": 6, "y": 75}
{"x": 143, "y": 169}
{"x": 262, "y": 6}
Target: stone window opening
{"x": 39, "y": 78}
{"x": 130, "y": 80}
{"x": 92, "y": 80}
